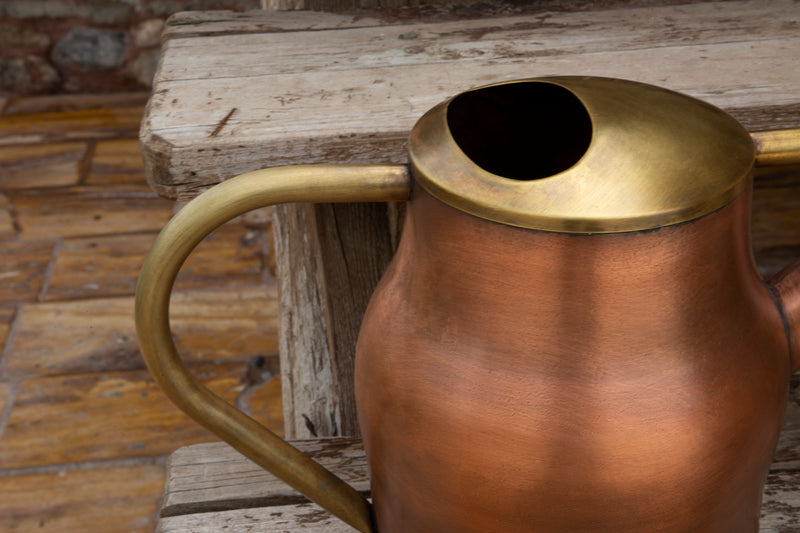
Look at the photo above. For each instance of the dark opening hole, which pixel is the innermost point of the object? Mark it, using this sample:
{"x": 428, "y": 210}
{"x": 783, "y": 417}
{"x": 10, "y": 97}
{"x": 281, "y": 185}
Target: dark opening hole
{"x": 522, "y": 131}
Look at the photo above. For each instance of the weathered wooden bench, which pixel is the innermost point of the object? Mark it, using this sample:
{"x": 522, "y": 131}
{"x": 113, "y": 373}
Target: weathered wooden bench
{"x": 239, "y": 91}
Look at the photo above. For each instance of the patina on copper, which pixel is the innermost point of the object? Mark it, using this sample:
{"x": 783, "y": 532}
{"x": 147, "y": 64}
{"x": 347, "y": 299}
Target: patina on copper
{"x": 572, "y": 335}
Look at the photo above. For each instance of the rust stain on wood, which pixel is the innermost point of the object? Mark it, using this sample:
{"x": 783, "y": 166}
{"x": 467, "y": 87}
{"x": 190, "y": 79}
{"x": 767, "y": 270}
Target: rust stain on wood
{"x": 222, "y": 122}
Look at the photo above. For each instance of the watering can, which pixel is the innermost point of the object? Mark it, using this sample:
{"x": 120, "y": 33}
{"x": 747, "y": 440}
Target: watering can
{"x": 572, "y": 335}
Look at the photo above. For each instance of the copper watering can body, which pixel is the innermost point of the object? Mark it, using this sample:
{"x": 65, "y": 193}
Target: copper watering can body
{"x": 572, "y": 335}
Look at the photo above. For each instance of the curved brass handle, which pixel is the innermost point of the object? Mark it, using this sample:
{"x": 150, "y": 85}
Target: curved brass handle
{"x": 311, "y": 183}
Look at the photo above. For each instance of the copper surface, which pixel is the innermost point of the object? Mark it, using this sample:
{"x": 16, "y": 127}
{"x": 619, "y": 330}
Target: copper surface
{"x": 514, "y": 380}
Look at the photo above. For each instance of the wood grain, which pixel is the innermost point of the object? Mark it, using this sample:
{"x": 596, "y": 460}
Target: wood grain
{"x": 315, "y": 84}
{"x": 122, "y": 499}
{"x": 295, "y": 518}
{"x": 90, "y": 417}
{"x": 80, "y": 124}
{"x": 41, "y": 165}
{"x": 22, "y": 269}
{"x": 105, "y": 266}
{"x": 7, "y": 315}
{"x": 85, "y": 210}
{"x": 116, "y": 161}
{"x": 98, "y": 334}
{"x": 214, "y": 476}
{"x": 7, "y": 229}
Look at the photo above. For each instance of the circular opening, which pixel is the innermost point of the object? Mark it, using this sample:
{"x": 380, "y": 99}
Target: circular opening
{"x": 521, "y": 131}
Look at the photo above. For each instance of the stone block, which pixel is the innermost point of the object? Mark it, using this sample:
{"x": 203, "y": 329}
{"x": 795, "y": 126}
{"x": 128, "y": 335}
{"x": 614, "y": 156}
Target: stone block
{"x": 91, "y": 49}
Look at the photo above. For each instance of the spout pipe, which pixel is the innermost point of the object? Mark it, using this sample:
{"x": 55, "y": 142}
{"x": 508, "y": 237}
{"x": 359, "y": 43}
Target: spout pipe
{"x": 777, "y": 147}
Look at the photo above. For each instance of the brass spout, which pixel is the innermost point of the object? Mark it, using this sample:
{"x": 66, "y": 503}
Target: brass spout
{"x": 777, "y": 147}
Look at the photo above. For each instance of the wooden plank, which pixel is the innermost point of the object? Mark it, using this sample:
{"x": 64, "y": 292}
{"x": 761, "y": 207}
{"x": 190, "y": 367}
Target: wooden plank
{"x": 310, "y": 102}
{"x": 192, "y": 24}
{"x": 215, "y": 477}
{"x": 123, "y": 499}
{"x": 22, "y": 269}
{"x": 95, "y": 335}
{"x": 41, "y": 165}
{"x": 295, "y": 518}
{"x": 98, "y": 416}
{"x": 109, "y": 265}
{"x": 776, "y": 210}
{"x": 82, "y": 211}
{"x": 27, "y": 105}
{"x": 787, "y": 455}
{"x": 780, "y": 508}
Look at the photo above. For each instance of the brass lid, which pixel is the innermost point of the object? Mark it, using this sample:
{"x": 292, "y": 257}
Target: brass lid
{"x": 581, "y": 155}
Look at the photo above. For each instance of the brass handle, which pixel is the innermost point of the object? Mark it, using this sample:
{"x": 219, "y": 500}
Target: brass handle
{"x": 310, "y": 183}
{"x": 777, "y": 147}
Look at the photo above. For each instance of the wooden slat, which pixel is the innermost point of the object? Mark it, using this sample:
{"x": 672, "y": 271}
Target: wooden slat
{"x": 192, "y": 24}
{"x": 113, "y": 415}
{"x": 311, "y": 95}
{"x": 214, "y": 476}
{"x": 120, "y": 499}
{"x": 776, "y": 210}
{"x": 295, "y": 518}
{"x": 98, "y": 334}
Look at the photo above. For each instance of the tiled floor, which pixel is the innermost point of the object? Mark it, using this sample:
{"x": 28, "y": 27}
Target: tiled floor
{"x": 84, "y": 430}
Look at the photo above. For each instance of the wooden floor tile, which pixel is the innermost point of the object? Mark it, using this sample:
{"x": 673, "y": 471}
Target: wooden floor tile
{"x": 22, "y": 269}
{"x": 85, "y": 211}
{"x": 88, "y": 417}
{"x": 117, "y": 161}
{"x": 237, "y": 323}
{"x": 7, "y": 314}
{"x": 73, "y": 102}
{"x": 41, "y": 165}
{"x": 82, "y": 124}
{"x": 112, "y": 500}
{"x": 7, "y": 229}
{"x": 5, "y": 396}
{"x": 109, "y": 265}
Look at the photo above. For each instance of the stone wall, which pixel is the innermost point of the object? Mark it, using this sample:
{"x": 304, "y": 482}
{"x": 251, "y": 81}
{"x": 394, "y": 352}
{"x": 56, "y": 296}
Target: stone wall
{"x": 86, "y": 46}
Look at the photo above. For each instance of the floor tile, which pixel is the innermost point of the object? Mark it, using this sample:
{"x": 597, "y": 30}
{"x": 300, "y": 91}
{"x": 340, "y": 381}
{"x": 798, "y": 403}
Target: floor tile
{"x": 110, "y": 265}
{"x": 41, "y": 165}
{"x": 7, "y": 314}
{"x": 7, "y": 229}
{"x": 89, "y": 417}
{"x": 116, "y": 161}
{"x": 73, "y": 102}
{"x": 85, "y": 211}
{"x": 82, "y": 124}
{"x": 22, "y": 269}
{"x": 94, "y": 335}
{"x": 113, "y": 500}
